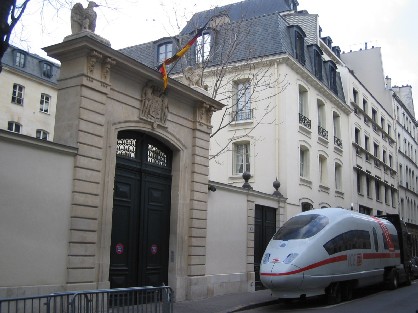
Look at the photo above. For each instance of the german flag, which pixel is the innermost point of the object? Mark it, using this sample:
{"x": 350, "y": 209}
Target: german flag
{"x": 162, "y": 68}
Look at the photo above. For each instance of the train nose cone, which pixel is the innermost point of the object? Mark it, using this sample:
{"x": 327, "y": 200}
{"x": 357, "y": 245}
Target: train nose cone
{"x": 280, "y": 276}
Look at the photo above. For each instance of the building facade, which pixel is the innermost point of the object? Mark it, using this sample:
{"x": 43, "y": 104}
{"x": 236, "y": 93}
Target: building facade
{"x": 284, "y": 109}
{"x": 296, "y": 108}
{"x": 373, "y": 149}
{"x": 28, "y": 94}
{"x": 406, "y": 132}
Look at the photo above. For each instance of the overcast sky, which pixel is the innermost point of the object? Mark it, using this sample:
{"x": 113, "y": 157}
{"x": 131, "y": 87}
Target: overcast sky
{"x": 388, "y": 24}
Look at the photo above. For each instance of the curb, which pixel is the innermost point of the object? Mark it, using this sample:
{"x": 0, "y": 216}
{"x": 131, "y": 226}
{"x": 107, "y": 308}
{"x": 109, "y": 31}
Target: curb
{"x": 250, "y": 306}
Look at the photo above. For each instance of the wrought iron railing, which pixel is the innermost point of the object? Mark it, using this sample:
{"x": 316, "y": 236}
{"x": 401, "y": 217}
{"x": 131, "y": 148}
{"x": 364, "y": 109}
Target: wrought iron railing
{"x": 136, "y": 299}
{"x": 243, "y": 115}
{"x": 323, "y": 132}
{"x": 304, "y": 121}
{"x": 338, "y": 142}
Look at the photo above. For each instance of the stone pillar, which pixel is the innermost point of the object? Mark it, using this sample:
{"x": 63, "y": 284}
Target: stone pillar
{"x": 250, "y": 241}
{"x": 198, "y": 200}
{"x": 83, "y": 88}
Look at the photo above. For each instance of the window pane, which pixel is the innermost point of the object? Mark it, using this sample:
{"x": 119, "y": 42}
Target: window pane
{"x": 247, "y": 158}
{"x": 301, "y": 227}
{"x": 350, "y": 240}
{"x": 239, "y": 159}
{"x": 165, "y": 51}
{"x": 45, "y": 99}
{"x": 17, "y": 95}
{"x": 243, "y": 109}
{"x": 42, "y": 134}
{"x": 302, "y": 161}
{"x": 14, "y": 127}
{"x": 202, "y": 48}
{"x": 20, "y": 59}
{"x": 47, "y": 70}
{"x": 242, "y": 158}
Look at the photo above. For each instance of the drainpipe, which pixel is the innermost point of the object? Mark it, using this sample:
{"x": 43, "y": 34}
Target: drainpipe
{"x": 276, "y": 68}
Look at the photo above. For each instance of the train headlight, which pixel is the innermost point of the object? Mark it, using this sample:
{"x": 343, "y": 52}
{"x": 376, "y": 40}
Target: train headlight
{"x": 290, "y": 258}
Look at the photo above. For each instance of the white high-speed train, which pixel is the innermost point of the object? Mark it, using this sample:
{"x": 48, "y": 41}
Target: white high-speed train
{"x": 332, "y": 251}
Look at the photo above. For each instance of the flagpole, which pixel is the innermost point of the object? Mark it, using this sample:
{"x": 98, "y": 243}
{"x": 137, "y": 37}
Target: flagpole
{"x": 179, "y": 56}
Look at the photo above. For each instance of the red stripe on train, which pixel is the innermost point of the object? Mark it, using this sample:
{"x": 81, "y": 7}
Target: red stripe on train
{"x": 341, "y": 258}
{"x": 309, "y": 267}
{"x": 369, "y": 256}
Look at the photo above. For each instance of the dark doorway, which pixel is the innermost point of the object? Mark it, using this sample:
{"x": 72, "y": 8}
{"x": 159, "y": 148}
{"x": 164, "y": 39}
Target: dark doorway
{"x": 141, "y": 212}
{"x": 265, "y": 227}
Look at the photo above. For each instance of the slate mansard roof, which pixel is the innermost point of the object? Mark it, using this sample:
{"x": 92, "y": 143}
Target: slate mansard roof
{"x": 146, "y": 53}
{"x": 260, "y": 37}
{"x": 33, "y": 65}
{"x": 242, "y": 10}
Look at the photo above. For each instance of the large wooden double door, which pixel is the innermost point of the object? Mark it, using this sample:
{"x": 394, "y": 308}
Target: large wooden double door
{"x": 141, "y": 212}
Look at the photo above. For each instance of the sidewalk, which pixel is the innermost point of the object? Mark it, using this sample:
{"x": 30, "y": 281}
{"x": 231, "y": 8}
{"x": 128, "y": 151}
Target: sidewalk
{"x": 226, "y": 303}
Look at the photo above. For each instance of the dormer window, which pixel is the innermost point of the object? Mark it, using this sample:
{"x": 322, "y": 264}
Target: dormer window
{"x": 332, "y": 76}
{"x": 203, "y": 47}
{"x": 47, "y": 70}
{"x": 165, "y": 51}
{"x": 337, "y": 51}
{"x": 318, "y": 64}
{"x": 299, "y": 43}
{"x": 328, "y": 41}
{"x": 300, "y": 48}
{"x": 316, "y": 56}
{"x": 20, "y": 59}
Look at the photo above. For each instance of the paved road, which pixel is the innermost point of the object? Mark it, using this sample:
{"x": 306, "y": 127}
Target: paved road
{"x": 401, "y": 300}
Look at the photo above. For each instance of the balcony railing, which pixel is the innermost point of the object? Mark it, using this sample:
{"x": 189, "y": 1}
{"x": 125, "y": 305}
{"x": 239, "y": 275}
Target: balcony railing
{"x": 304, "y": 121}
{"x": 323, "y": 132}
{"x": 338, "y": 142}
{"x": 244, "y": 115}
{"x": 366, "y": 120}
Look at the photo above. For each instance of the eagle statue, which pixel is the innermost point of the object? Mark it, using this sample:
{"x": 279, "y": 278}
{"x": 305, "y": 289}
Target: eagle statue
{"x": 83, "y": 18}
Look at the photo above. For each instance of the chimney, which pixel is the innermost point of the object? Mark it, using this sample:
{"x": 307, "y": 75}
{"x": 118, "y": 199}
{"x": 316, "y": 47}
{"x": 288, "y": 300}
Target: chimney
{"x": 405, "y": 94}
{"x": 388, "y": 83}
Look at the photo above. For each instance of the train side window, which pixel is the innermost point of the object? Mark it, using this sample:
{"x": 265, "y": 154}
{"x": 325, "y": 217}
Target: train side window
{"x": 376, "y": 242}
{"x": 394, "y": 239}
{"x": 350, "y": 240}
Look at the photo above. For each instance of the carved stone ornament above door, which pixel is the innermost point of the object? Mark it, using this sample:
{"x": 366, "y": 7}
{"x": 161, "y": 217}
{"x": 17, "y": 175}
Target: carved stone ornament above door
{"x": 154, "y": 105}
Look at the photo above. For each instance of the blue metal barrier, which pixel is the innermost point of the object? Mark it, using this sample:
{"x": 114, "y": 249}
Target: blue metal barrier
{"x": 121, "y": 300}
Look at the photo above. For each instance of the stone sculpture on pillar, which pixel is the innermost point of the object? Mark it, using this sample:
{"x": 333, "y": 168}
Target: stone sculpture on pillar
{"x": 83, "y": 18}
{"x": 83, "y": 23}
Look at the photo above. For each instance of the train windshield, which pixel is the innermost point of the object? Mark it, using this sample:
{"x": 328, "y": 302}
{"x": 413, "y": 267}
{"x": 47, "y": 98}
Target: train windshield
{"x": 301, "y": 227}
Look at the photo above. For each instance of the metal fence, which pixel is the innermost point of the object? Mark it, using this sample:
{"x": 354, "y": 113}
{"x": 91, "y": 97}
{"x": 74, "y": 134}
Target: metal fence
{"x": 122, "y": 300}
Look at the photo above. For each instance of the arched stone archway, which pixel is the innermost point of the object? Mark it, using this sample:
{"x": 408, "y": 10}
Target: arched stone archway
{"x": 102, "y": 94}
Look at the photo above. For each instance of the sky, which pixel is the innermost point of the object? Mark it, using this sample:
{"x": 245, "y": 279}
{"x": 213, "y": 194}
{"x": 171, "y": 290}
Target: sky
{"x": 388, "y": 24}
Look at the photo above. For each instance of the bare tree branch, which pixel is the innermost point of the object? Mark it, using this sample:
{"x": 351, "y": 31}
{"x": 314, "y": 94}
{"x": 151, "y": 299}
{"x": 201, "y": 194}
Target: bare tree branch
{"x": 240, "y": 85}
{"x": 10, "y": 14}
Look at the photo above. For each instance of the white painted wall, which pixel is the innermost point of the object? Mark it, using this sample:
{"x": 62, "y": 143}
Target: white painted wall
{"x": 35, "y": 193}
{"x": 226, "y": 249}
